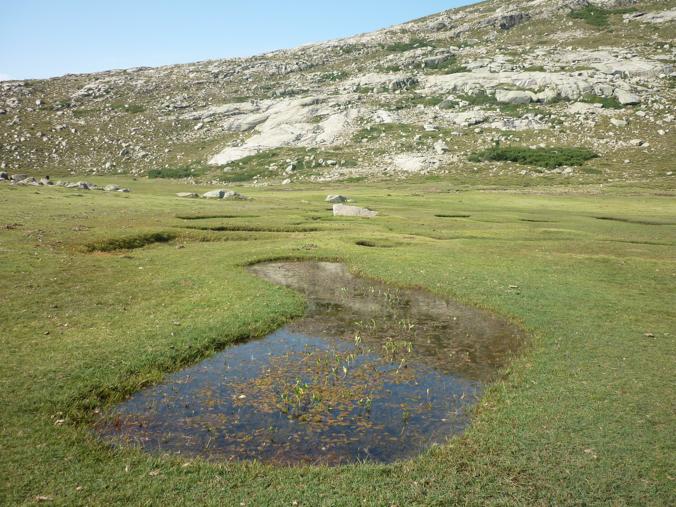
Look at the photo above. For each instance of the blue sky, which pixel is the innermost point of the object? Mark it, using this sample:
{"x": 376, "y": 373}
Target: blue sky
{"x": 44, "y": 38}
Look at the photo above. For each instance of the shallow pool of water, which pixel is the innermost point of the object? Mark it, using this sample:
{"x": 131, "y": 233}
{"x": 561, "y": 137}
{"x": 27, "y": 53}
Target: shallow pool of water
{"x": 371, "y": 372}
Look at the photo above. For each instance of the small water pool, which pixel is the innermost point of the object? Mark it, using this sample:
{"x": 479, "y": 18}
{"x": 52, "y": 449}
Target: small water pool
{"x": 371, "y": 372}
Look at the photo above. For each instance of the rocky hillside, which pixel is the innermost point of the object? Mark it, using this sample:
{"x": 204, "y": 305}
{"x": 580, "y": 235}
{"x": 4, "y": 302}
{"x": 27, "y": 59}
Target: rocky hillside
{"x": 569, "y": 90}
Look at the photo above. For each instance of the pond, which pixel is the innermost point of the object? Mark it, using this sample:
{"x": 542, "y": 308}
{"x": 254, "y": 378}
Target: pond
{"x": 370, "y": 373}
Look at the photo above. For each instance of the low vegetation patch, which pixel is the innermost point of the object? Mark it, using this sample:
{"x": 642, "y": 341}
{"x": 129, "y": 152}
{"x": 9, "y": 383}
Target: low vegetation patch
{"x": 374, "y": 132}
{"x": 130, "y": 242}
{"x": 450, "y": 66}
{"x": 128, "y": 108}
{"x": 606, "y": 102}
{"x": 336, "y": 75}
{"x": 484, "y": 99}
{"x": 549, "y": 158}
{"x": 480, "y": 99}
{"x": 403, "y": 46}
{"x": 83, "y": 113}
{"x": 179, "y": 172}
{"x": 273, "y": 163}
{"x": 410, "y": 101}
{"x": 596, "y": 16}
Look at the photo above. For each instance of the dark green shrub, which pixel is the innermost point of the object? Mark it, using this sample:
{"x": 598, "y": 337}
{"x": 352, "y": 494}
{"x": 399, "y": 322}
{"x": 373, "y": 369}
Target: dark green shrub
{"x": 177, "y": 172}
{"x": 549, "y": 158}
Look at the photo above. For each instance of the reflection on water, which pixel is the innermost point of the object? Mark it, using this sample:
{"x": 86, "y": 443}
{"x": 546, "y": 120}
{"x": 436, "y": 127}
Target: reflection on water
{"x": 371, "y": 372}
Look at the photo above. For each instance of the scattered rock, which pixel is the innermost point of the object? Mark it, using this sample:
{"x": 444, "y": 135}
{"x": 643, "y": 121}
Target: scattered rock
{"x": 224, "y": 195}
{"x": 627, "y": 98}
{"x": 188, "y": 195}
{"x": 438, "y": 26}
{"x": 508, "y": 21}
{"x": 436, "y": 61}
{"x": 440, "y": 147}
{"x": 336, "y": 199}
{"x": 342, "y": 210}
{"x": 515, "y": 97}
{"x": 652, "y": 17}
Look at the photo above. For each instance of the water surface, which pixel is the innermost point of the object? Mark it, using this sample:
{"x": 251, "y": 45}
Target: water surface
{"x": 371, "y": 372}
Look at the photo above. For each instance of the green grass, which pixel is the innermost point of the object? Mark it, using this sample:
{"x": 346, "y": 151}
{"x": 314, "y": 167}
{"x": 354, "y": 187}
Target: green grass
{"x": 330, "y": 77}
{"x": 597, "y": 16}
{"x": 484, "y": 99}
{"x": 84, "y": 113}
{"x": 606, "y": 102}
{"x": 403, "y": 46}
{"x": 584, "y": 417}
{"x": 480, "y": 99}
{"x": 127, "y": 108}
{"x": 184, "y": 171}
{"x": 261, "y": 164}
{"x": 549, "y": 158}
{"x": 450, "y": 66}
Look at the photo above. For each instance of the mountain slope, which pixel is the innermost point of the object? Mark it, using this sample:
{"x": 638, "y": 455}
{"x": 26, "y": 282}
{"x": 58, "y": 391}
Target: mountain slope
{"x": 425, "y": 97}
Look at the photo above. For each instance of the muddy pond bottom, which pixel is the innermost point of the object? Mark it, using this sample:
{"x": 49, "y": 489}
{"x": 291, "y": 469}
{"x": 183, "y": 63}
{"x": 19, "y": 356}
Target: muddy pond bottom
{"x": 370, "y": 373}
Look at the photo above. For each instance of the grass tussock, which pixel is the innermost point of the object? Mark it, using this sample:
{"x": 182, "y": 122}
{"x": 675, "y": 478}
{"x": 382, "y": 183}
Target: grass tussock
{"x": 130, "y": 242}
{"x": 548, "y": 158}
